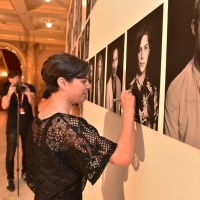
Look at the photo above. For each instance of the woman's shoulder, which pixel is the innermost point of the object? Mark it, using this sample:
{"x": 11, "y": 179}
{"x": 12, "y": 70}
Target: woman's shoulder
{"x": 71, "y": 119}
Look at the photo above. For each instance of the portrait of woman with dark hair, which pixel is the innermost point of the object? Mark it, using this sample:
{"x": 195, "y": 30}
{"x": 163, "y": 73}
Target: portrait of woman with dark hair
{"x": 141, "y": 87}
{"x": 143, "y": 66}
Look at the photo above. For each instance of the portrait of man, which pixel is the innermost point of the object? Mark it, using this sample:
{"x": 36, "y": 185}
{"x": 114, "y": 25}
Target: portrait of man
{"x": 76, "y": 9}
{"x": 87, "y": 35}
{"x": 71, "y": 19}
{"x": 75, "y": 32}
{"x": 88, "y": 8}
{"x": 79, "y": 16}
{"x": 74, "y": 51}
{"x": 69, "y": 45}
{"x": 83, "y": 45}
{"x": 99, "y": 78}
{"x": 79, "y": 48}
{"x": 114, "y": 74}
{"x": 91, "y": 79}
{"x": 182, "y": 108}
{"x": 144, "y": 41}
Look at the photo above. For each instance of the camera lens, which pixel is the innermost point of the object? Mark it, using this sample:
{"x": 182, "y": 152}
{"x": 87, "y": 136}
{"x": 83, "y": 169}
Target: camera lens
{"x": 20, "y": 88}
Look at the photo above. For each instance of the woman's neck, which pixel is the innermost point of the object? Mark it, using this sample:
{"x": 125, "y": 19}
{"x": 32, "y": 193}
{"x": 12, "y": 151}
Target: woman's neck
{"x": 57, "y": 104}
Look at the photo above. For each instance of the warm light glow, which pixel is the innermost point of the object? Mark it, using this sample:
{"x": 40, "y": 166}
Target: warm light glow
{"x": 4, "y": 74}
{"x": 49, "y": 22}
{"x": 47, "y": 0}
{"x": 82, "y": 27}
{"x": 84, "y": 3}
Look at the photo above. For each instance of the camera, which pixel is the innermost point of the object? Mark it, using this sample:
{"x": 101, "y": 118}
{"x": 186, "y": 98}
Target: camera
{"x": 20, "y": 88}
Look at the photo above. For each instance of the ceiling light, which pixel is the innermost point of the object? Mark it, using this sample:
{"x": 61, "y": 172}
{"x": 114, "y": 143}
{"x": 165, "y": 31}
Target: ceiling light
{"x": 47, "y": 0}
{"x": 49, "y": 22}
{"x": 84, "y": 3}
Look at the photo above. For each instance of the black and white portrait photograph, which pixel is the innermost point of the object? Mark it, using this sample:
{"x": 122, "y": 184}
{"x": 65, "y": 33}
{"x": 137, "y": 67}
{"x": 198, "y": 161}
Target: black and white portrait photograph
{"x": 87, "y": 38}
{"x": 74, "y": 52}
{"x": 75, "y": 32}
{"x": 99, "y": 77}
{"x": 79, "y": 47}
{"x": 91, "y": 78}
{"x": 79, "y": 16}
{"x": 93, "y": 3}
{"x": 76, "y": 2}
{"x": 71, "y": 15}
{"x": 69, "y": 46}
{"x": 88, "y": 7}
{"x": 144, "y": 43}
{"x": 82, "y": 45}
{"x": 182, "y": 110}
{"x": 115, "y": 59}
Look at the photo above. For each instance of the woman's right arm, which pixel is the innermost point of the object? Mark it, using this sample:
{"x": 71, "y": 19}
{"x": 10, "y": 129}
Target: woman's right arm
{"x": 126, "y": 142}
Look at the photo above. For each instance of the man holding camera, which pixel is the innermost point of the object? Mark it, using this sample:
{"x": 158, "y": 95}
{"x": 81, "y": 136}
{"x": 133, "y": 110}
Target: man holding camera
{"x": 17, "y": 97}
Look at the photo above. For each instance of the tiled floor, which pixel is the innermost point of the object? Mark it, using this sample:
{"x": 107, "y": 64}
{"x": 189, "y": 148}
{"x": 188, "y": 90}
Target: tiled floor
{"x": 24, "y": 193}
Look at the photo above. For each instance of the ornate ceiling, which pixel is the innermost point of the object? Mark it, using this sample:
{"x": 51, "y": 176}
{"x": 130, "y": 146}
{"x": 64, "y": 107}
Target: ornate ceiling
{"x": 23, "y": 20}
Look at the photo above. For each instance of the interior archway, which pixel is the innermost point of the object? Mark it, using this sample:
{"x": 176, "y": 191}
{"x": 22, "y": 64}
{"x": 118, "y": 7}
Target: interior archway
{"x": 10, "y": 58}
{"x": 16, "y": 52}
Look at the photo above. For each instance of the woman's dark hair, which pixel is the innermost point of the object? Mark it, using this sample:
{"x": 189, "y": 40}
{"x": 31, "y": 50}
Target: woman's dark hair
{"x": 63, "y": 65}
{"x": 145, "y": 29}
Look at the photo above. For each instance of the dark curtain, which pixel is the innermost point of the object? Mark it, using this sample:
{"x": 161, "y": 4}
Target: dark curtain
{"x": 12, "y": 61}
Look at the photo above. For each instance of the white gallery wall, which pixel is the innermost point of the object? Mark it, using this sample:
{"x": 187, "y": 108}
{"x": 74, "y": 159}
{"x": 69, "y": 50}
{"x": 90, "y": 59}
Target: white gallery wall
{"x": 162, "y": 168}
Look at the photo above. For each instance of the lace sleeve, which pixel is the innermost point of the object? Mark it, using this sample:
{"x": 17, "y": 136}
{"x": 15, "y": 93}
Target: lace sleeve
{"x": 85, "y": 150}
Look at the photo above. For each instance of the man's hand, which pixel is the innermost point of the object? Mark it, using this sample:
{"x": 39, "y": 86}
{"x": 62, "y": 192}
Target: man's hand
{"x": 6, "y": 99}
{"x": 11, "y": 90}
{"x": 27, "y": 91}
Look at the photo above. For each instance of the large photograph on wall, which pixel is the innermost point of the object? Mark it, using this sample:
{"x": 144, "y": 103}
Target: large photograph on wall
{"x": 182, "y": 108}
{"x": 115, "y": 59}
{"x": 144, "y": 42}
{"x": 82, "y": 40}
{"x": 99, "y": 77}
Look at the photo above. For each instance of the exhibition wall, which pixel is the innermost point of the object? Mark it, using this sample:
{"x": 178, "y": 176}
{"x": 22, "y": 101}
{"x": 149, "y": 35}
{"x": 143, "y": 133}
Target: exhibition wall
{"x": 162, "y": 167}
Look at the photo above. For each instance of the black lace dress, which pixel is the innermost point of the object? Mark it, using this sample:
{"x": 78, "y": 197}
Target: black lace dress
{"x": 64, "y": 152}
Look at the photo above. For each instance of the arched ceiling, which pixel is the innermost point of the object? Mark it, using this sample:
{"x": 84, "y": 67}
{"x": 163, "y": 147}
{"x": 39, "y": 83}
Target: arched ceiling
{"x": 23, "y": 20}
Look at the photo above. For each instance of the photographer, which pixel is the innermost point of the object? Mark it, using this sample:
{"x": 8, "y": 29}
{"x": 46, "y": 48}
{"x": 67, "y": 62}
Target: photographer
{"x": 13, "y": 95}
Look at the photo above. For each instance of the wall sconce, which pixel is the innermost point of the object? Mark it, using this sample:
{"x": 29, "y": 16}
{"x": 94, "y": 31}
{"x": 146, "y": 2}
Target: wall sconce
{"x": 3, "y": 74}
{"x": 48, "y": 22}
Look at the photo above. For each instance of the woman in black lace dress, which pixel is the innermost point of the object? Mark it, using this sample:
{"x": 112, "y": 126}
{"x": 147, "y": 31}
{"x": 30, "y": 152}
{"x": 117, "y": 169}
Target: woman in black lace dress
{"x": 65, "y": 151}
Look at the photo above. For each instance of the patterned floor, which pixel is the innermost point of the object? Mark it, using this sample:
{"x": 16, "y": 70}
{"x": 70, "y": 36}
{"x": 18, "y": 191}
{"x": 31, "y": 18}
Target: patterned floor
{"x": 24, "y": 193}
